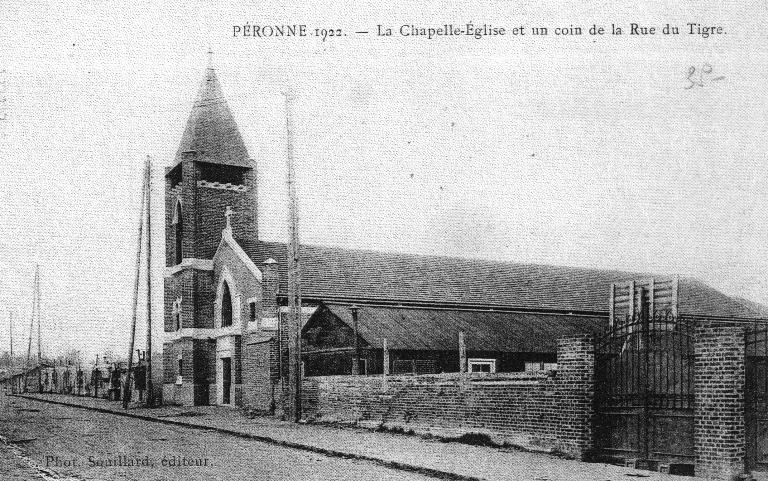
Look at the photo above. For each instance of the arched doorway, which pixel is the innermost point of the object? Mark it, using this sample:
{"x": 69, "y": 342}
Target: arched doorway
{"x": 226, "y": 324}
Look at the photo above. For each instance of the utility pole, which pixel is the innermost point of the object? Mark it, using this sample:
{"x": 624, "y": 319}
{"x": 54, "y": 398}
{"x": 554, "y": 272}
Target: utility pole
{"x": 31, "y": 327}
{"x": 462, "y": 353}
{"x": 135, "y": 293}
{"x": 356, "y": 360}
{"x": 150, "y": 388}
{"x": 10, "y": 325}
{"x": 386, "y": 357}
{"x": 294, "y": 277}
{"x": 31, "y": 330}
{"x": 39, "y": 334}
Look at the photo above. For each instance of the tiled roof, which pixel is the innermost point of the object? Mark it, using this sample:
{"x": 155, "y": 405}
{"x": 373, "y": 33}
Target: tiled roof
{"x": 212, "y": 134}
{"x": 438, "y": 329}
{"x": 757, "y": 307}
{"x": 333, "y": 273}
{"x": 211, "y": 131}
{"x": 697, "y": 298}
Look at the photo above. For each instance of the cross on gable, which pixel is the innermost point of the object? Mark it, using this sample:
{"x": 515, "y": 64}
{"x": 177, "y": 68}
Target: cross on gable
{"x": 228, "y": 215}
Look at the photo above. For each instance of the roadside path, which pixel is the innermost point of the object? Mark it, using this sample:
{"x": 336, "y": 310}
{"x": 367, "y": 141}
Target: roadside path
{"x": 56, "y": 442}
{"x": 408, "y": 453}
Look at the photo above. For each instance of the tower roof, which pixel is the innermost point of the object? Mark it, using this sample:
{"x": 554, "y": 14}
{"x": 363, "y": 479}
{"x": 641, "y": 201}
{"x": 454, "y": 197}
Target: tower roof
{"x": 211, "y": 131}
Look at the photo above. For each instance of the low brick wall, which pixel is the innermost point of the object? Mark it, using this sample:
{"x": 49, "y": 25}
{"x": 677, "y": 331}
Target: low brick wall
{"x": 551, "y": 411}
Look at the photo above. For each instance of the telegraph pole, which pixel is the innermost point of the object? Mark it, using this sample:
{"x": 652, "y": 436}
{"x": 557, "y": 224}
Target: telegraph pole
{"x": 31, "y": 330}
{"x": 135, "y": 293}
{"x": 356, "y": 360}
{"x": 150, "y": 388}
{"x": 39, "y": 334}
{"x": 10, "y": 326}
{"x": 294, "y": 276}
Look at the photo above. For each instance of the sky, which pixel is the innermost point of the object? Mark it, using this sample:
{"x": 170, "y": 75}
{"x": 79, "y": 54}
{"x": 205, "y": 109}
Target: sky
{"x": 580, "y": 151}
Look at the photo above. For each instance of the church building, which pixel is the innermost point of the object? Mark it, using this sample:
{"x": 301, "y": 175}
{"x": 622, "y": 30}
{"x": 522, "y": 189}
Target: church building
{"x": 226, "y": 292}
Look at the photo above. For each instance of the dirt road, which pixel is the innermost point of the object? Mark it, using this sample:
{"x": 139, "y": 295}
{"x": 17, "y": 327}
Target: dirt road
{"x": 58, "y": 442}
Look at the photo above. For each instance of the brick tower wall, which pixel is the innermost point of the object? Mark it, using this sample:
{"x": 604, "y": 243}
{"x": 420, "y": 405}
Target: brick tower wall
{"x": 203, "y": 202}
{"x": 719, "y": 382}
{"x": 211, "y": 204}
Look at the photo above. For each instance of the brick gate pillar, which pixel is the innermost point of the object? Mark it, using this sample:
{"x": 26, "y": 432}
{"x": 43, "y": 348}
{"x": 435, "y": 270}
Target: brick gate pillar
{"x": 576, "y": 392}
{"x": 719, "y": 400}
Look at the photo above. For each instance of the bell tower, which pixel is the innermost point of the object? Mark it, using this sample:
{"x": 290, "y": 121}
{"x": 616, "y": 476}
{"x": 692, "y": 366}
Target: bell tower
{"x": 210, "y": 172}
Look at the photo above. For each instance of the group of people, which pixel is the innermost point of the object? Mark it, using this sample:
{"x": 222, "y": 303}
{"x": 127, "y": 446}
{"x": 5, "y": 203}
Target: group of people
{"x": 105, "y": 381}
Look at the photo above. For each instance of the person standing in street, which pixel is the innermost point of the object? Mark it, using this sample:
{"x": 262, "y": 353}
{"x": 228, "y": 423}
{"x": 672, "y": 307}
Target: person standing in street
{"x": 79, "y": 381}
{"x": 141, "y": 380}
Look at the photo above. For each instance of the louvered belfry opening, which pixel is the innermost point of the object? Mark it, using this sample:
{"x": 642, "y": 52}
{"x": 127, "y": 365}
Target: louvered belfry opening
{"x": 222, "y": 174}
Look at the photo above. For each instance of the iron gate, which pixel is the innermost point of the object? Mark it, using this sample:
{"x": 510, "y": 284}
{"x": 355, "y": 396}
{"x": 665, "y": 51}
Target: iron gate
{"x": 756, "y": 397}
{"x": 644, "y": 390}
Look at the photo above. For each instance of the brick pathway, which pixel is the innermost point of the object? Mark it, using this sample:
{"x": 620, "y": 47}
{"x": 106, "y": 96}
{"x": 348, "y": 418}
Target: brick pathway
{"x": 453, "y": 459}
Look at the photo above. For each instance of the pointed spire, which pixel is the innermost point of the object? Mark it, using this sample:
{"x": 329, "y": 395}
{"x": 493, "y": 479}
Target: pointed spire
{"x": 210, "y": 91}
{"x": 211, "y": 132}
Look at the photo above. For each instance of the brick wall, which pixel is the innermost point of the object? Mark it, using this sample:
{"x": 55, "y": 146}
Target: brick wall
{"x": 243, "y": 286}
{"x": 576, "y": 384}
{"x": 172, "y": 393}
{"x": 190, "y": 174}
{"x": 204, "y": 301}
{"x": 170, "y": 239}
{"x": 197, "y": 292}
{"x": 212, "y": 203}
{"x": 259, "y": 364}
{"x": 204, "y": 365}
{"x": 204, "y": 355}
{"x": 283, "y": 353}
{"x": 270, "y": 286}
{"x": 719, "y": 432}
{"x": 178, "y": 286}
{"x": 169, "y": 363}
{"x": 237, "y": 365}
{"x": 203, "y": 212}
{"x": 538, "y": 410}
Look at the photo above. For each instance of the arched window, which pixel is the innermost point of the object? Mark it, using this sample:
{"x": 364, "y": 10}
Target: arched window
{"x": 178, "y": 232}
{"x": 226, "y": 307}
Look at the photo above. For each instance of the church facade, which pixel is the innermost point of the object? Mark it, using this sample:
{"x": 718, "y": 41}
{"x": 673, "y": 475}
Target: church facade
{"x": 212, "y": 287}
{"x": 225, "y": 296}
